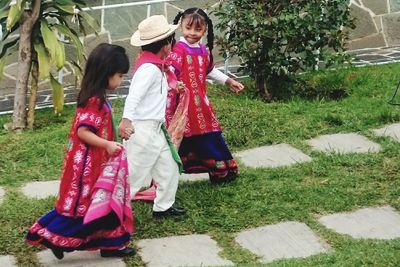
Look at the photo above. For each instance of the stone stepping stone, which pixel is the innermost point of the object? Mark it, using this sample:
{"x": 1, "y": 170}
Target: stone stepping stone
{"x": 189, "y": 250}
{"x": 78, "y": 259}
{"x": 193, "y": 177}
{"x": 392, "y": 130}
{"x": 378, "y": 223}
{"x": 281, "y": 241}
{"x": 272, "y": 156}
{"x": 2, "y": 194}
{"x": 344, "y": 143}
{"x": 41, "y": 190}
{"x": 7, "y": 261}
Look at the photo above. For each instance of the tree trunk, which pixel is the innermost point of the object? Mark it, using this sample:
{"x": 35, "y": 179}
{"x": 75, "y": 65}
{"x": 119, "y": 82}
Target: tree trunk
{"x": 261, "y": 85}
{"x": 24, "y": 67}
{"x": 33, "y": 94}
{"x": 28, "y": 19}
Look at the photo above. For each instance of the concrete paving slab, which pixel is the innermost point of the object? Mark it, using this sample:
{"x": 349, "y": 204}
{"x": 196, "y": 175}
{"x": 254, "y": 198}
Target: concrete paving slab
{"x": 193, "y": 177}
{"x": 7, "y": 261}
{"x": 378, "y": 223}
{"x": 281, "y": 241}
{"x": 392, "y": 130}
{"x": 272, "y": 156}
{"x": 190, "y": 250}
{"x": 41, "y": 190}
{"x": 2, "y": 194}
{"x": 78, "y": 259}
{"x": 344, "y": 143}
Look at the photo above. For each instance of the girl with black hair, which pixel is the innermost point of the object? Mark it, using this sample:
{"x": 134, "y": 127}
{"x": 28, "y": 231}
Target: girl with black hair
{"x": 89, "y": 165}
{"x": 203, "y": 148}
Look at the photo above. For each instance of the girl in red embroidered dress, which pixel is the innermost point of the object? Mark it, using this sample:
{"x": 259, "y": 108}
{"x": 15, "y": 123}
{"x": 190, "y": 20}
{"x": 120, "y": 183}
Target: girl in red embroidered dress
{"x": 203, "y": 149}
{"x": 90, "y": 145}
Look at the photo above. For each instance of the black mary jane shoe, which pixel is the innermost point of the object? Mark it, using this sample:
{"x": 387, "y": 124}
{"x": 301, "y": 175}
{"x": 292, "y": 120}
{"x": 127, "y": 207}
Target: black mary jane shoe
{"x": 230, "y": 177}
{"x": 58, "y": 253}
{"x": 172, "y": 211}
{"x": 125, "y": 252}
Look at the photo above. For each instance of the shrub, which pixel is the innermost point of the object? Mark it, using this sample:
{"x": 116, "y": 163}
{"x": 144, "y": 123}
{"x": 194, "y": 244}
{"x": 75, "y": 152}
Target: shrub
{"x": 278, "y": 38}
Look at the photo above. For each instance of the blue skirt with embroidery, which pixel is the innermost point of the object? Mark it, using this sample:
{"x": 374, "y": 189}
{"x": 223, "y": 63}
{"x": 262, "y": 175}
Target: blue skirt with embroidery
{"x": 207, "y": 153}
{"x": 69, "y": 234}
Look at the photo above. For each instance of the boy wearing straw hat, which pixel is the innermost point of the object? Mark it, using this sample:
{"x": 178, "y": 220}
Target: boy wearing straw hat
{"x": 150, "y": 152}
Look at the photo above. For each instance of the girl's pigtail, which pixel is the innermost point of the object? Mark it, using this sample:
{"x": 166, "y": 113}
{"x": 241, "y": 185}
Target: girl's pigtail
{"x": 210, "y": 38}
{"x": 177, "y": 18}
{"x": 210, "y": 33}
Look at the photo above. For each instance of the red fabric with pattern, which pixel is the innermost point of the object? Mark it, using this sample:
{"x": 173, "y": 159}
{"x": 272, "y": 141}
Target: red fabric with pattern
{"x": 191, "y": 66}
{"x": 82, "y": 162}
{"x": 163, "y": 65}
{"x": 112, "y": 193}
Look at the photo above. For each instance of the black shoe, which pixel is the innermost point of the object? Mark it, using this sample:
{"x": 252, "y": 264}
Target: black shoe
{"x": 216, "y": 180}
{"x": 58, "y": 253}
{"x": 173, "y": 211}
{"x": 230, "y": 177}
{"x": 106, "y": 253}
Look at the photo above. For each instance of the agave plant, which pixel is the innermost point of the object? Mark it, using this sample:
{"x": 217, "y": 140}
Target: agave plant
{"x": 39, "y": 30}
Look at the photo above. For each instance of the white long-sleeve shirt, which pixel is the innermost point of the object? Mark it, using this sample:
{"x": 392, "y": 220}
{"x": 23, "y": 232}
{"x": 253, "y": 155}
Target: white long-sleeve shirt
{"x": 147, "y": 96}
{"x": 217, "y": 76}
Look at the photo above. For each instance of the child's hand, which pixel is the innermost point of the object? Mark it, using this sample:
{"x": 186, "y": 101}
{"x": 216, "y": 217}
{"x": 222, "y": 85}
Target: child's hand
{"x": 125, "y": 129}
{"x": 113, "y": 148}
{"x": 235, "y": 86}
{"x": 180, "y": 86}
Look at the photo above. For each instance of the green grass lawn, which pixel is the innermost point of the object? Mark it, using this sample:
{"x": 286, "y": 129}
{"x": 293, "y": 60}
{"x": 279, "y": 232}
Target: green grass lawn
{"x": 328, "y": 184}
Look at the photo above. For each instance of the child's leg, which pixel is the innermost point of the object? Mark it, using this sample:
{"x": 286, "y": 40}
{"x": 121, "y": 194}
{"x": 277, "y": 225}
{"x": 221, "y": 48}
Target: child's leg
{"x": 166, "y": 175}
{"x": 142, "y": 155}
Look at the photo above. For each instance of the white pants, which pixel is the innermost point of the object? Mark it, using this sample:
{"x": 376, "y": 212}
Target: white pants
{"x": 149, "y": 157}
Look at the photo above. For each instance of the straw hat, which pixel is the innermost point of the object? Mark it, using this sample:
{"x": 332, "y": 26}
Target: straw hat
{"x": 152, "y": 29}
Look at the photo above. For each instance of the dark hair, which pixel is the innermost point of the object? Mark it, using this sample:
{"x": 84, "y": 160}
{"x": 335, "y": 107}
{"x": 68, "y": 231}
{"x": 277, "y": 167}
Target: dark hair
{"x": 200, "y": 18}
{"x": 104, "y": 61}
{"x": 156, "y": 46}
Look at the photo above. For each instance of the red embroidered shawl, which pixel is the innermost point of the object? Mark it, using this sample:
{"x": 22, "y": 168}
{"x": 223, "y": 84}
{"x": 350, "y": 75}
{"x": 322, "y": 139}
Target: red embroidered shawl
{"x": 112, "y": 193}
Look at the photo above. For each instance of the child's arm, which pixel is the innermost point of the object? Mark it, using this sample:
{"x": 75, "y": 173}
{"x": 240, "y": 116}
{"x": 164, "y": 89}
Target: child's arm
{"x": 87, "y": 136}
{"x": 221, "y": 78}
{"x": 125, "y": 128}
{"x": 235, "y": 86}
{"x": 142, "y": 80}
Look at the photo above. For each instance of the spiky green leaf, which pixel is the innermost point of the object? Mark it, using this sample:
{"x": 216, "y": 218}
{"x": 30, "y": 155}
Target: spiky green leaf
{"x": 43, "y": 59}
{"x": 9, "y": 47}
{"x": 65, "y": 8}
{"x": 2, "y": 63}
{"x": 79, "y": 3}
{"x": 73, "y": 38}
{"x": 58, "y": 95}
{"x": 75, "y": 67}
{"x": 64, "y": 2}
{"x": 60, "y": 55}
{"x": 4, "y": 4}
{"x": 49, "y": 38}
{"x": 91, "y": 22}
{"x": 14, "y": 15}
{"x": 4, "y": 13}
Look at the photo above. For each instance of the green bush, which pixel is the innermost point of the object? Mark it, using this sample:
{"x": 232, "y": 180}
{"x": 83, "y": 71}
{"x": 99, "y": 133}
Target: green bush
{"x": 324, "y": 84}
{"x": 278, "y": 38}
